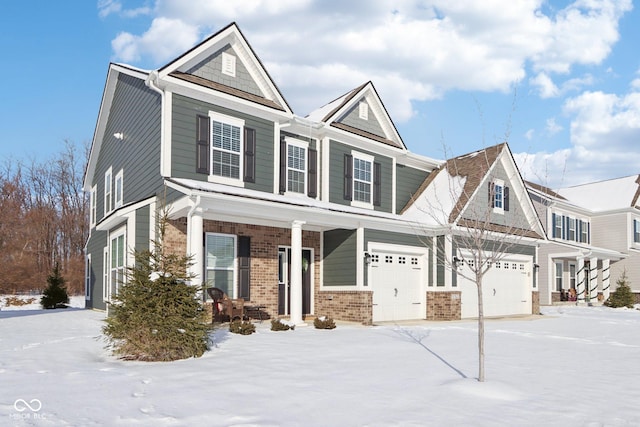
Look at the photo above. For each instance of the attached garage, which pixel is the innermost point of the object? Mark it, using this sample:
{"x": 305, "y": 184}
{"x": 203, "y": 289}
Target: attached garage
{"x": 506, "y": 288}
{"x": 397, "y": 276}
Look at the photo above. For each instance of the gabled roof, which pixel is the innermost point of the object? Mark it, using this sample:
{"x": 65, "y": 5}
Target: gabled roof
{"x": 546, "y": 191}
{"x": 335, "y": 112}
{"x": 452, "y": 187}
{"x": 612, "y": 194}
{"x": 230, "y": 36}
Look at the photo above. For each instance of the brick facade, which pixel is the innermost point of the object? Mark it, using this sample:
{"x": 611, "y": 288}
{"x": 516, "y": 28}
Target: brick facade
{"x": 264, "y": 255}
{"x": 353, "y": 306}
{"x": 535, "y": 302}
{"x": 444, "y": 305}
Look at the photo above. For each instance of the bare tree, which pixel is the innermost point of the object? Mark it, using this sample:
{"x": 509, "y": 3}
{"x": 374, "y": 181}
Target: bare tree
{"x": 461, "y": 199}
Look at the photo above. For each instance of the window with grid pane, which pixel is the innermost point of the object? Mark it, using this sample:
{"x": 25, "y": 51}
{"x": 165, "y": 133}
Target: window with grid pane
{"x": 361, "y": 180}
{"x": 220, "y": 262}
{"x": 296, "y": 168}
{"x": 226, "y": 146}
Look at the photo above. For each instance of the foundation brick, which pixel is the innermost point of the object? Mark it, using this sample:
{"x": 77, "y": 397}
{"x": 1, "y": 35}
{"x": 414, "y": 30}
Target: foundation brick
{"x": 444, "y": 305}
{"x": 351, "y": 306}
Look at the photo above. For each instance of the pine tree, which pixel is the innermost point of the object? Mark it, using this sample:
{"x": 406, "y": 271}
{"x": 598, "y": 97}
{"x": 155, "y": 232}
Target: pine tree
{"x": 157, "y": 315}
{"x": 622, "y": 296}
{"x": 55, "y": 295}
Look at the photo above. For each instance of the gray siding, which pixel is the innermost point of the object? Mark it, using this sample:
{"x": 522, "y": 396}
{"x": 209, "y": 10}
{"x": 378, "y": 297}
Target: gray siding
{"x": 371, "y": 125}
{"x": 95, "y": 247}
{"x": 337, "y": 151}
{"x": 142, "y": 228}
{"x": 136, "y": 113}
{"x": 183, "y": 147}
{"x": 408, "y": 180}
{"x": 339, "y": 261}
{"x": 479, "y": 206}
{"x": 211, "y": 69}
{"x": 611, "y": 231}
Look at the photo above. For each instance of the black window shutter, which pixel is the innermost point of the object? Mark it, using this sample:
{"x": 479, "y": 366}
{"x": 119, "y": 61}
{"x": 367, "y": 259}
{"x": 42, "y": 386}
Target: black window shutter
{"x": 505, "y": 197}
{"x": 249, "y": 155}
{"x": 312, "y": 173}
{"x": 348, "y": 177}
{"x": 283, "y": 165}
{"x": 244, "y": 267}
{"x": 203, "y": 136}
{"x": 553, "y": 225}
{"x": 579, "y": 231}
{"x": 377, "y": 184}
{"x": 492, "y": 199}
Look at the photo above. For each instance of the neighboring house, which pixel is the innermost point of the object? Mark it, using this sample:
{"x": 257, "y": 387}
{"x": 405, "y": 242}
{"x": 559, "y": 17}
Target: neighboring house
{"x": 575, "y": 262}
{"x": 301, "y": 216}
{"x": 478, "y": 208}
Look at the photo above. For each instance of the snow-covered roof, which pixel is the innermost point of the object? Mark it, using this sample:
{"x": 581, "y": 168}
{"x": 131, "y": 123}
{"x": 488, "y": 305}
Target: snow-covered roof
{"x": 612, "y": 194}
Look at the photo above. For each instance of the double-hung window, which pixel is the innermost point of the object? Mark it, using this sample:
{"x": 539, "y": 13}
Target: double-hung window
{"x": 296, "y": 166}
{"x": 118, "y": 261}
{"x": 557, "y": 225}
{"x": 559, "y": 286}
{"x": 226, "y": 146}
{"x": 362, "y": 179}
{"x": 221, "y": 262}
{"x": 92, "y": 206}
{"x": 108, "y": 200}
{"x": 118, "y": 190}
{"x": 636, "y": 230}
{"x": 572, "y": 229}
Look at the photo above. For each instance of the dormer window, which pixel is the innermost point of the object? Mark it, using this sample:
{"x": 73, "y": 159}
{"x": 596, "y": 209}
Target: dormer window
{"x": 498, "y": 196}
{"x": 228, "y": 64}
{"x": 363, "y": 111}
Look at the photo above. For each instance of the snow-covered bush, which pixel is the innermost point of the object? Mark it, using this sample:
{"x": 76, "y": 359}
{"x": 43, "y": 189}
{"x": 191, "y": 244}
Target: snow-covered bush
{"x": 281, "y": 325}
{"x": 242, "y": 327}
{"x": 622, "y": 296}
{"x": 324, "y": 322}
{"x": 55, "y": 295}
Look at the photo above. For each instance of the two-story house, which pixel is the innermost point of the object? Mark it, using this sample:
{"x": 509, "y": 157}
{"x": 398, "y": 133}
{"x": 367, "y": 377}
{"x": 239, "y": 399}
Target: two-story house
{"x": 576, "y": 262}
{"x": 298, "y": 215}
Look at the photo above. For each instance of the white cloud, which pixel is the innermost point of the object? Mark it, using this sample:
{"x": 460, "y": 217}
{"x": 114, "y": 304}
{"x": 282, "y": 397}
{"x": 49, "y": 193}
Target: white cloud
{"x": 107, "y": 7}
{"x": 546, "y": 87}
{"x": 412, "y": 50}
{"x": 161, "y": 41}
{"x": 529, "y": 134}
{"x": 552, "y": 127}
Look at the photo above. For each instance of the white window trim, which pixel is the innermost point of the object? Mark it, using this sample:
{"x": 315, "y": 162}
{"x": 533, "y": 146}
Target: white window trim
{"x": 87, "y": 278}
{"x": 634, "y": 221}
{"x": 105, "y": 274}
{"x": 498, "y": 209}
{"x": 108, "y": 191}
{"x": 305, "y": 146}
{"x": 228, "y": 64}
{"x": 555, "y": 276}
{"x": 367, "y": 158}
{"x": 93, "y": 211}
{"x": 113, "y": 236}
{"x": 575, "y": 276}
{"x": 233, "y": 121}
{"x": 118, "y": 195}
{"x": 235, "y": 261}
{"x": 559, "y": 216}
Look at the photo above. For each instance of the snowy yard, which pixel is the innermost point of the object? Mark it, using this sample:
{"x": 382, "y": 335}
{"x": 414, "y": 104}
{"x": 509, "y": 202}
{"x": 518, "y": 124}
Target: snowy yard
{"x": 574, "y": 366}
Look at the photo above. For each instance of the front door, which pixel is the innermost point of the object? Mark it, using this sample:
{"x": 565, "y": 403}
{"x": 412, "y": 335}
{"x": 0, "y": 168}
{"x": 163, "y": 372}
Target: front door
{"x": 284, "y": 282}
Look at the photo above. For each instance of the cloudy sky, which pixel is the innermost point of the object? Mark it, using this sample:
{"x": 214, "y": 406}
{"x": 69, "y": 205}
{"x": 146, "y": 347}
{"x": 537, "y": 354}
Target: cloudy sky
{"x": 559, "y": 80}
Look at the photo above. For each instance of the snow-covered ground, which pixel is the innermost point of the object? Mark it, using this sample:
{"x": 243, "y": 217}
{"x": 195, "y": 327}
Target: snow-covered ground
{"x": 573, "y": 366}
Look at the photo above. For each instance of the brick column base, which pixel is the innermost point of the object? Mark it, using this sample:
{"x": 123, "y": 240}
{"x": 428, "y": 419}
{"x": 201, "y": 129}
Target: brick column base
{"x": 535, "y": 302}
{"x": 351, "y": 306}
{"x": 444, "y": 305}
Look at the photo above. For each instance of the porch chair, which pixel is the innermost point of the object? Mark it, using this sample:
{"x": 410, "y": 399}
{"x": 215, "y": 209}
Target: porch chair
{"x": 225, "y": 308}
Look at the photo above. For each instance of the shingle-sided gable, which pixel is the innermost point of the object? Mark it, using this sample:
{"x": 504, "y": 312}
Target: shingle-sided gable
{"x": 360, "y": 112}
{"x": 460, "y": 188}
{"x": 225, "y": 62}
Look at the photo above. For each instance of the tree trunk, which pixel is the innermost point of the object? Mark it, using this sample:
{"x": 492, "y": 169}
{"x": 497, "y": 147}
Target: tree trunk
{"x": 480, "y": 329}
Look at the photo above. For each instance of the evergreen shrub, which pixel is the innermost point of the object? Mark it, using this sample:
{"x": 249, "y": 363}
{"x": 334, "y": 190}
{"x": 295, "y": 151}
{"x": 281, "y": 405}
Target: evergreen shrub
{"x": 622, "y": 296}
{"x": 55, "y": 295}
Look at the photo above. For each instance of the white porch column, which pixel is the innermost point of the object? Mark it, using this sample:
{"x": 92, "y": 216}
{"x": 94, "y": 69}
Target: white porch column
{"x": 606, "y": 279}
{"x": 580, "y": 285}
{"x": 195, "y": 247}
{"x": 296, "y": 272}
{"x": 592, "y": 293}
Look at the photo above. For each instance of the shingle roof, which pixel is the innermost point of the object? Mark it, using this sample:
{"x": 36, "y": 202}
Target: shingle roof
{"x": 544, "y": 190}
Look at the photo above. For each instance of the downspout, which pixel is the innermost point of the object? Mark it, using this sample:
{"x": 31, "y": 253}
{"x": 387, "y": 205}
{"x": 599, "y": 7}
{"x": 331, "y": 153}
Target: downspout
{"x": 152, "y": 83}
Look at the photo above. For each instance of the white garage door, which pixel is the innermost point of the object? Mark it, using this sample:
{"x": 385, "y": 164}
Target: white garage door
{"x": 397, "y": 281}
{"x": 506, "y": 289}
